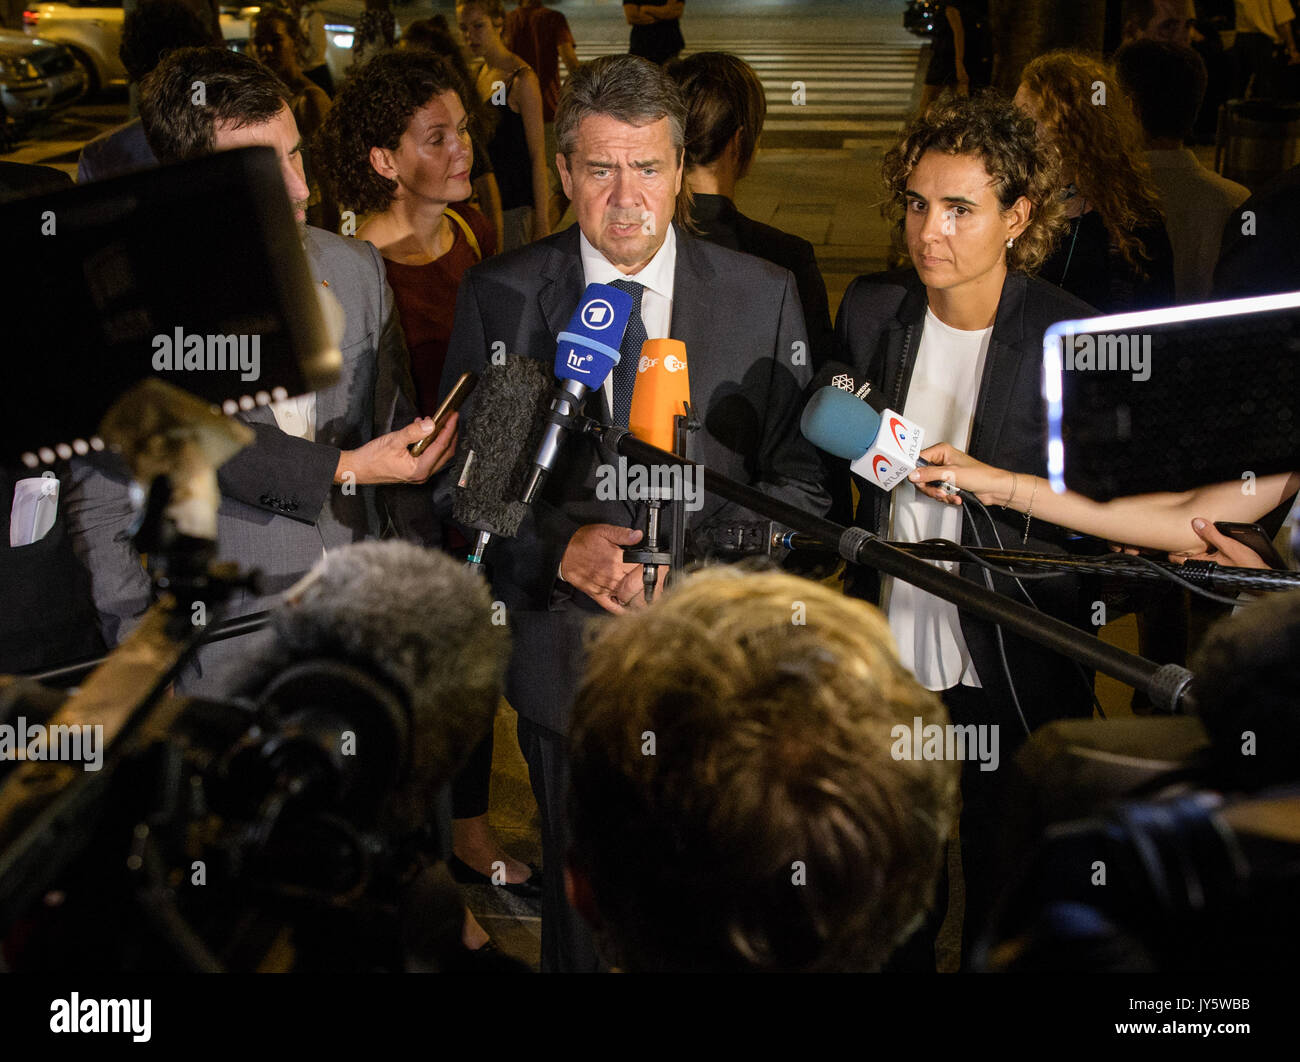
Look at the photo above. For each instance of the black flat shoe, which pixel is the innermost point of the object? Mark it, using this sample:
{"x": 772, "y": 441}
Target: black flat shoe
{"x": 465, "y": 874}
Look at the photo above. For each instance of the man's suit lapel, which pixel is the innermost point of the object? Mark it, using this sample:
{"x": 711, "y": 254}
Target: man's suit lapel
{"x": 692, "y": 323}
{"x": 331, "y": 402}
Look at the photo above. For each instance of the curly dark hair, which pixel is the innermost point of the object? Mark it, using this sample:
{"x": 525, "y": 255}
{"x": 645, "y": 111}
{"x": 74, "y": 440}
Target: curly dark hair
{"x": 991, "y": 127}
{"x": 1100, "y": 144}
{"x": 373, "y": 109}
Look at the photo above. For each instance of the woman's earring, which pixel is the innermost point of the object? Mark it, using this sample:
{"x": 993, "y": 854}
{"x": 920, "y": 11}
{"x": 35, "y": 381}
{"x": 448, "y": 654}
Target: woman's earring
{"x": 1011, "y": 242}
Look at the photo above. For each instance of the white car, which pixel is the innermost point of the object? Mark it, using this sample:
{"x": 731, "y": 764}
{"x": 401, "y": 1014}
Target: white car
{"x": 92, "y": 31}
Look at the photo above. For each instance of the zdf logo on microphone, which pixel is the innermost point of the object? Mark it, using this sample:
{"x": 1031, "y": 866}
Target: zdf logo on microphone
{"x": 673, "y": 363}
{"x": 597, "y": 315}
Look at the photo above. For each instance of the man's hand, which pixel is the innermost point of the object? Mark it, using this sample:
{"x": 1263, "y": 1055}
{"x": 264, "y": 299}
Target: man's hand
{"x": 593, "y": 562}
{"x": 1224, "y": 550}
{"x": 387, "y": 459}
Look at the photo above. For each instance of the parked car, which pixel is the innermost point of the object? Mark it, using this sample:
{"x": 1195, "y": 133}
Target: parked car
{"x": 92, "y": 31}
{"x": 37, "y": 77}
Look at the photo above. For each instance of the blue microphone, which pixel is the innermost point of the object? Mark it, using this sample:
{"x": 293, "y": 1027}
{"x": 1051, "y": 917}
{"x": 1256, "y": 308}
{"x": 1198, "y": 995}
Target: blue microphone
{"x": 882, "y": 446}
{"x": 585, "y": 353}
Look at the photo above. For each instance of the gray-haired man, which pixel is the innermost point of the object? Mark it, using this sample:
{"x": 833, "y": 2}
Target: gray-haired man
{"x": 620, "y": 133}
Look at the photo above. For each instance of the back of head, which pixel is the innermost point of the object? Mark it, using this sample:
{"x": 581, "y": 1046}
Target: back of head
{"x": 1167, "y": 83}
{"x": 1247, "y": 691}
{"x": 373, "y": 109}
{"x": 1089, "y": 117}
{"x": 724, "y": 99}
{"x": 193, "y": 90}
{"x": 155, "y": 28}
{"x": 735, "y": 803}
{"x": 1003, "y": 138}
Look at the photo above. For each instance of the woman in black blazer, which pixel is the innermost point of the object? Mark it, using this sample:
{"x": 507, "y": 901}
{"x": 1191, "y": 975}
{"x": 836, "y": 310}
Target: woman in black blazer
{"x": 954, "y": 342}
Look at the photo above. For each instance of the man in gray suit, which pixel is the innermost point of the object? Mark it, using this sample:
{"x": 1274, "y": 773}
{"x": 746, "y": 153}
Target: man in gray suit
{"x": 305, "y": 485}
{"x": 619, "y": 129}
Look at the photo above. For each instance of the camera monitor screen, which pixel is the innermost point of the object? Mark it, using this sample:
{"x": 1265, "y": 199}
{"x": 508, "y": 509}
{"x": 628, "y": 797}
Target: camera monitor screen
{"x": 194, "y": 274}
{"x": 1171, "y": 399}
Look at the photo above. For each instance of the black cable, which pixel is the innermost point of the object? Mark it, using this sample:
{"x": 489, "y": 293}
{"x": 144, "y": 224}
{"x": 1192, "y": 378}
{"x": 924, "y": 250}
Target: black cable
{"x": 1089, "y": 684}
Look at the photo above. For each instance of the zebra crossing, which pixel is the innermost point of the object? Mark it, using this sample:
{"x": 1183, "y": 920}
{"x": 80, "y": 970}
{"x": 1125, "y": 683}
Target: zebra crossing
{"x": 821, "y": 94}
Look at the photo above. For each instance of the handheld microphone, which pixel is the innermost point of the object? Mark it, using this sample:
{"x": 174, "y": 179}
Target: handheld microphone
{"x": 585, "y": 353}
{"x": 882, "y": 447}
{"x": 503, "y": 429}
{"x": 662, "y": 392}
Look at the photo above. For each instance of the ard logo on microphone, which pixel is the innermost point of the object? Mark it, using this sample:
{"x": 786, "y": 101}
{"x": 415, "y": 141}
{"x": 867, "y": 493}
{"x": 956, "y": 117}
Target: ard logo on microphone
{"x": 598, "y": 315}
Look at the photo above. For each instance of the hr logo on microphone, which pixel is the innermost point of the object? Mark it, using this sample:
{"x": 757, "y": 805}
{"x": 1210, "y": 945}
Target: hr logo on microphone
{"x": 598, "y": 315}
{"x": 576, "y": 361}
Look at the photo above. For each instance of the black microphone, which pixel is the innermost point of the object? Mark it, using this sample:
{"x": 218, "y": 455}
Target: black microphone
{"x": 498, "y": 437}
{"x": 585, "y": 353}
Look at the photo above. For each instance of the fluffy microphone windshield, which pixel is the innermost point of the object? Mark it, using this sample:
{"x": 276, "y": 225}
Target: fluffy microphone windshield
{"x": 497, "y": 443}
{"x": 415, "y": 617}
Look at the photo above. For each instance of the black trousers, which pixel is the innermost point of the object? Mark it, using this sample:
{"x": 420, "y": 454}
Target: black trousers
{"x": 983, "y": 869}
{"x": 567, "y": 942}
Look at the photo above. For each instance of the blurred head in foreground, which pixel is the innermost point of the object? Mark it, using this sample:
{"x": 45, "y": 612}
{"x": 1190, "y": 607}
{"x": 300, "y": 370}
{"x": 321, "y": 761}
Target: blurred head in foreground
{"x": 734, "y": 800}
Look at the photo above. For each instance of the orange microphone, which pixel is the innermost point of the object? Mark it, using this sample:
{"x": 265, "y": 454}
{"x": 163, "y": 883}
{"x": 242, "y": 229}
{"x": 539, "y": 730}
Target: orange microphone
{"x": 661, "y": 391}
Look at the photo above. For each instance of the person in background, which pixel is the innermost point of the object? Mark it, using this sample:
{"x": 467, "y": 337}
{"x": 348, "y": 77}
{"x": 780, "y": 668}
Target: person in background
{"x": 961, "y": 59}
{"x": 541, "y": 37}
{"x": 312, "y": 55}
{"x": 1116, "y": 254}
{"x": 726, "y": 109}
{"x": 1166, "y": 82}
{"x": 1157, "y": 20}
{"x": 1264, "y": 48}
{"x": 397, "y": 149}
{"x": 656, "y": 29}
{"x": 278, "y": 42}
{"x": 774, "y": 828}
{"x": 376, "y": 31}
{"x": 432, "y": 35}
{"x": 149, "y": 32}
{"x": 518, "y": 144}
{"x": 1259, "y": 242}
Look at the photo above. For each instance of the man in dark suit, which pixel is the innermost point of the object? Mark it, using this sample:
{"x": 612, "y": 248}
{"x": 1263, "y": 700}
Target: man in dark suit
{"x": 620, "y": 134}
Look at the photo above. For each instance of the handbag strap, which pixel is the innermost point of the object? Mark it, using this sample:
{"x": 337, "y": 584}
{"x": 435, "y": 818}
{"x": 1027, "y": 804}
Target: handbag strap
{"x": 469, "y": 233}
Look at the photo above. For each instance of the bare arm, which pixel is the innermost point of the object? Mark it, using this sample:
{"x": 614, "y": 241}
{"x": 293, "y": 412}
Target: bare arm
{"x": 489, "y": 201}
{"x": 635, "y": 16}
{"x": 659, "y": 12}
{"x": 959, "y": 47}
{"x": 569, "y": 57}
{"x": 529, "y": 97}
{"x": 1154, "y": 521}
